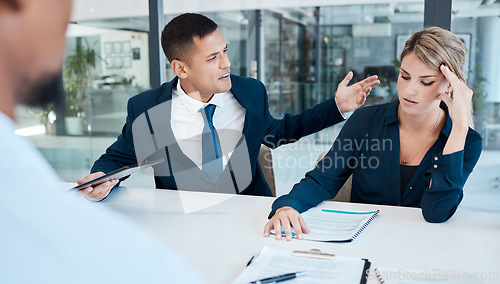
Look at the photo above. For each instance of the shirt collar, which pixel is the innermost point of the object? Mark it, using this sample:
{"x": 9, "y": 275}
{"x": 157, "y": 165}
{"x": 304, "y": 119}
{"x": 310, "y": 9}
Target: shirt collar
{"x": 446, "y": 130}
{"x": 392, "y": 116}
{"x": 193, "y": 105}
{"x": 392, "y": 112}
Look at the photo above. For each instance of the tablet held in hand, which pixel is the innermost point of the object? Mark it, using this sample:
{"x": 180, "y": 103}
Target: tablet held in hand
{"x": 118, "y": 174}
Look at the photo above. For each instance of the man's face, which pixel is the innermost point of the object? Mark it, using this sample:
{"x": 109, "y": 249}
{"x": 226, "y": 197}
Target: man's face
{"x": 208, "y": 68}
{"x": 34, "y": 45}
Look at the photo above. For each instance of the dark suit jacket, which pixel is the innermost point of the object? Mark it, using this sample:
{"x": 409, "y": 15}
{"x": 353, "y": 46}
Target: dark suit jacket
{"x": 259, "y": 128}
{"x": 368, "y": 148}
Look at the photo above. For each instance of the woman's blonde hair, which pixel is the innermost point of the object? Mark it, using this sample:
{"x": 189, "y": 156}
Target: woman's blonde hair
{"x": 436, "y": 46}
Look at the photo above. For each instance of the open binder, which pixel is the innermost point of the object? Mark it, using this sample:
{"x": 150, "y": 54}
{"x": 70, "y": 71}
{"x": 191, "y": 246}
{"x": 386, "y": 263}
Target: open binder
{"x": 335, "y": 225}
{"x": 319, "y": 267}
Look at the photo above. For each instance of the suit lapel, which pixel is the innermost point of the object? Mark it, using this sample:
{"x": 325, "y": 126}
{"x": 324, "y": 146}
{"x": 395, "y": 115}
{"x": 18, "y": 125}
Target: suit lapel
{"x": 242, "y": 95}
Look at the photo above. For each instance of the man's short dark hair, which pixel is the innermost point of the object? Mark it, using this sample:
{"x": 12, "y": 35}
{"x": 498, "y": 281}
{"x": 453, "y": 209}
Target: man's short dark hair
{"x": 177, "y": 36}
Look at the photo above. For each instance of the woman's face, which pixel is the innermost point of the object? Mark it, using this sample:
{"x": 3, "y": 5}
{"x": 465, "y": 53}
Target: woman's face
{"x": 419, "y": 86}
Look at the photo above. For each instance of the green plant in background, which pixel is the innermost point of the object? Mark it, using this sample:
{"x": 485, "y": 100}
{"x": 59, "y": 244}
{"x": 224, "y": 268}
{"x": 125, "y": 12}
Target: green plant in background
{"x": 45, "y": 115}
{"x": 397, "y": 64}
{"x": 77, "y": 73}
{"x": 384, "y": 82}
{"x": 382, "y": 90}
{"x": 477, "y": 84}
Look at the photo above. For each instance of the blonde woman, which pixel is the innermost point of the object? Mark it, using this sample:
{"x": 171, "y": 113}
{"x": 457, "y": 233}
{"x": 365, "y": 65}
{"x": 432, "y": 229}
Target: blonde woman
{"x": 416, "y": 151}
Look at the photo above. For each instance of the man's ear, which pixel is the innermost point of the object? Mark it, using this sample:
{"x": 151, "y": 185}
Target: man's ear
{"x": 179, "y": 68}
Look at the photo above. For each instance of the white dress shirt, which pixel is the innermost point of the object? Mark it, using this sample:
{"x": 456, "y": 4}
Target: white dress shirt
{"x": 187, "y": 123}
{"x": 52, "y": 235}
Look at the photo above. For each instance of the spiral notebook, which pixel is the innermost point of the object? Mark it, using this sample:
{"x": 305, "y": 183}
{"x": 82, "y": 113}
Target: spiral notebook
{"x": 327, "y": 225}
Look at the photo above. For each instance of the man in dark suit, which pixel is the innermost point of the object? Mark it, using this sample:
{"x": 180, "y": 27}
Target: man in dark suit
{"x": 209, "y": 125}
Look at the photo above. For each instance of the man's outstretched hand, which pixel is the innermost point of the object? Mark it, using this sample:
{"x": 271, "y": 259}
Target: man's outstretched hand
{"x": 349, "y": 98}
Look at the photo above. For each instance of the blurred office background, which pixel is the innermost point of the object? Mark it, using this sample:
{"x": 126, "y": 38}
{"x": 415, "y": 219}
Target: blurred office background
{"x": 301, "y": 50}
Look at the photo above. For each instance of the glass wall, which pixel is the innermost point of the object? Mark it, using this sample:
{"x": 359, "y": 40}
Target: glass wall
{"x": 121, "y": 71}
{"x": 288, "y": 57}
{"x": 366, "y": 39}
{"x": 478, "y": 26}
{"x": 477, "y": 23}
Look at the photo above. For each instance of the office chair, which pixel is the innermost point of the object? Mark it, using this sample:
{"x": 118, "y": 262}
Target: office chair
{"x": 266, "y": 163}
{"x": 344, "y": 194}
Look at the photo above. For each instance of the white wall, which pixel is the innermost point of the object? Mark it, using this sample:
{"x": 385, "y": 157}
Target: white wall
{"x": 139, "y": 69}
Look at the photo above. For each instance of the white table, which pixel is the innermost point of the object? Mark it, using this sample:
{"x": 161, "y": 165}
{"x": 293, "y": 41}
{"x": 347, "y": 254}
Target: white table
{"x": 220, "y": 240}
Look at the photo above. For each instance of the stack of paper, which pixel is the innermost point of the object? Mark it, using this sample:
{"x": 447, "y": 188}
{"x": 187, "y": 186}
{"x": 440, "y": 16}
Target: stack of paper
{"x": 271, "y": 262}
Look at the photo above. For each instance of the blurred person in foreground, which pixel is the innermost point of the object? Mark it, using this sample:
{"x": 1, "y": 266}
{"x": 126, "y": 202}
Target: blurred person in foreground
{"x": 432, "y": 150}
{"x": 50, "y": 235}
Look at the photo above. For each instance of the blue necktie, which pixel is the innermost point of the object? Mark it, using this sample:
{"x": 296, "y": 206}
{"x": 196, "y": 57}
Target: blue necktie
{"x": 211, "y": 149}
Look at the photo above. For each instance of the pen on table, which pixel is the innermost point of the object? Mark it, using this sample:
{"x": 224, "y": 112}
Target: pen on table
{"x": 279, "y": 278}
